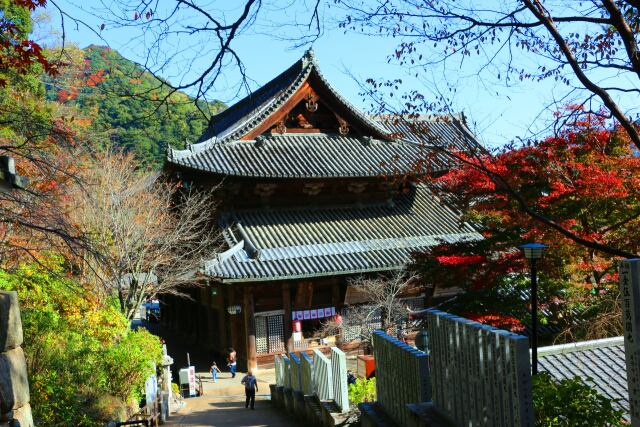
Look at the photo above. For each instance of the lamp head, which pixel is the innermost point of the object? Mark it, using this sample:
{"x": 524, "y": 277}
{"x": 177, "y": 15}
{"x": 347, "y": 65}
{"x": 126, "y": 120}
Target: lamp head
{"x": 533, "y": 250}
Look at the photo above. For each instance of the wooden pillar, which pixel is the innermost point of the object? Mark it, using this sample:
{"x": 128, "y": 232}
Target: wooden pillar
{"x": 335, "y": 295}
{"x": 229, "y": 329}
{"x": 337, "y": 304}
{"x": 250, "y": 324}
{"x": 286, "y": 306}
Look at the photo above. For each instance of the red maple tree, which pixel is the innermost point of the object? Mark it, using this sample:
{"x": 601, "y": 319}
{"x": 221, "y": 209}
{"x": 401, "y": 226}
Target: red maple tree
{"x": 586, "y": 179}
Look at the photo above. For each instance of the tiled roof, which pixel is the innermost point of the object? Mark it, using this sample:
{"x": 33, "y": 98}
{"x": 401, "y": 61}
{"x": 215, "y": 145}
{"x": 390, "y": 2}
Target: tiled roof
{"x": 296, "y": 243}
{"x": 251, "y": 111}
{"x": 292, "y": 155}
{"x": 309, "y": 156}
{"x": 445, "y": 132}
{"x": 229, "y": 120}
{"x": 600, "y": 363}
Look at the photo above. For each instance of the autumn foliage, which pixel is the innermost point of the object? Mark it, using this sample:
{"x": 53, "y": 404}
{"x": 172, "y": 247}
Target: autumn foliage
{"x": 18, "y": 54}
{"x": 586, "y": 178}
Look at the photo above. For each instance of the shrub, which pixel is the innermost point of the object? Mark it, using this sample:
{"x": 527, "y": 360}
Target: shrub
{"x": 571, "y": 402}
{"x": 130, "y": 361}
{"x": 175, "y": 389}
{"x": 85, "y": 365}
{"x": 364, "y": 390}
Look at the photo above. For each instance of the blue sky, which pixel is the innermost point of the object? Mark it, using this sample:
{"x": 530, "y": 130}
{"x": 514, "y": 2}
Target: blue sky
{"x": 497, "y": 114}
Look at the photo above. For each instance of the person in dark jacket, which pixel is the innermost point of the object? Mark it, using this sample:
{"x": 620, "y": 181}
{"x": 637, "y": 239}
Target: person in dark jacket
{"x": 250, "y": 387}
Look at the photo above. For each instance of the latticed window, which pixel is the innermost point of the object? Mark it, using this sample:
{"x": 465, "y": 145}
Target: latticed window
{"x": 262, "y": 343}
{"x": 275, "y": 333}
{"x": 269, "y": 333}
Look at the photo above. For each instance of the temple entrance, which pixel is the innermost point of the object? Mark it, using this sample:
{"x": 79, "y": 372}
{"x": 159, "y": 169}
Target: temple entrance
{"x": 270, "y": 332}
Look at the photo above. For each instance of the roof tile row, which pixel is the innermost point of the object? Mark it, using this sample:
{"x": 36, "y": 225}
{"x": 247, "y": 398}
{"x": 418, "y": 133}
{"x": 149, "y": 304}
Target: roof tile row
{"x": 297, "y": 243}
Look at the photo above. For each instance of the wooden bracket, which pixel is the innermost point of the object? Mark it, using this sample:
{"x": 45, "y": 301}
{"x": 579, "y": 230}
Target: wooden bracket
{"x": 343, "y": 129}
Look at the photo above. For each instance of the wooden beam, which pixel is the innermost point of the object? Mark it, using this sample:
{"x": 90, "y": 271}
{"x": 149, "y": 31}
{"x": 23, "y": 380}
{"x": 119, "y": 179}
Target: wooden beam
{"x": 231, "y": 331}
{"x": 282, "y": 113}
{"x": 335, "y": 295}
{"x": 304, "y": 295}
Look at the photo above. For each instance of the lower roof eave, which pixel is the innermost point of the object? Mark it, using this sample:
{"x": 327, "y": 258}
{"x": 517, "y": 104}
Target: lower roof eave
{"x": 230, "y": 280}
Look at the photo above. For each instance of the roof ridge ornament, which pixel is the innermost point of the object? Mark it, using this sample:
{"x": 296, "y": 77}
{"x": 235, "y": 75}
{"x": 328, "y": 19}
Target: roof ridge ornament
{"x": 309, "y": 58}
{"x": 260, "y": 140}
{"x": 462, "y": 117}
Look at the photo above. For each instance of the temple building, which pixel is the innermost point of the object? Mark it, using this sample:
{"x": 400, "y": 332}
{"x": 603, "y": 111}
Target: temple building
{"x": 311, "y": 192}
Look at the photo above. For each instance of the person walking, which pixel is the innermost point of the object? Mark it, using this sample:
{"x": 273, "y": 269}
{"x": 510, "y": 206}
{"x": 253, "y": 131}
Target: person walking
{"x": 250, "y": 387}
{"x": 214, "y": 371}
{"x": 231, "y": 362}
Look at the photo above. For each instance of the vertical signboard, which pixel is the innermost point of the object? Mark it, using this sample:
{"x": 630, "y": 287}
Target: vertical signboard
{"x": 192, "y": 381}
{"x": 630, "y": 291}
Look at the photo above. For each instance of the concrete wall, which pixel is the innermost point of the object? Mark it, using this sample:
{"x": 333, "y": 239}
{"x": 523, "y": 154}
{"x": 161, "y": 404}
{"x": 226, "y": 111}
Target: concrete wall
{"x": 402, "y": 376}
{"x": 339, "y": 377}
{"x": 480, "y": 375}
{"x": 14, "y": 386}
{"x": 322, "y": 379}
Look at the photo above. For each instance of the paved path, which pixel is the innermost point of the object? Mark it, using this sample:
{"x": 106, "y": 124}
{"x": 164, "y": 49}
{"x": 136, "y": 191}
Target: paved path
{"x": 223, "y": 405}
{"x": 229, "y": 411}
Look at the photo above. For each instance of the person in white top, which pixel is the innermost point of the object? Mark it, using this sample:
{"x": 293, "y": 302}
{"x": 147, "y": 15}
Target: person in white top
{"x": 231, "y": 362}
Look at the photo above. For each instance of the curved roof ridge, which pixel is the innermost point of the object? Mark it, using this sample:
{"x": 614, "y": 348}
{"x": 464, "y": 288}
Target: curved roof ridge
{"x": 363, "y": 116}
{"x": 250, "y": 111}
{"x": 459, "y": 116}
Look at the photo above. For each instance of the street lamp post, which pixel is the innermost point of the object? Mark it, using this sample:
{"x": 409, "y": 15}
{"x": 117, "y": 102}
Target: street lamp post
{"x": 533, "y": 252}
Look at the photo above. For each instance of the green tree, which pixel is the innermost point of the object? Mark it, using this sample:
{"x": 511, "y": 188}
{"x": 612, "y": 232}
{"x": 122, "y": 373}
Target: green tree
{"x": 131, "y": 107}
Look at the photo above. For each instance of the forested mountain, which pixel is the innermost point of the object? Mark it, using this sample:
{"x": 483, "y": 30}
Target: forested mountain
{"x": 127, "y": 105}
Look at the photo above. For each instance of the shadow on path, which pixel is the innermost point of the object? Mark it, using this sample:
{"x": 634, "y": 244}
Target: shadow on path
{"x": 230, "y": 411}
